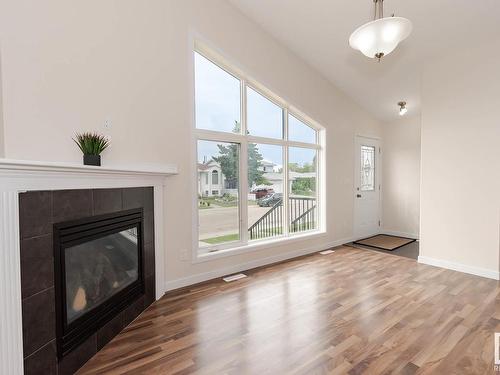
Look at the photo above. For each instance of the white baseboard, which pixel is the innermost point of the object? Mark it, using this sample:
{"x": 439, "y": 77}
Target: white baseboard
{"x": 400, "y": 234}
{"x": 478, "y": 271}
{"x": 194, "y": 279}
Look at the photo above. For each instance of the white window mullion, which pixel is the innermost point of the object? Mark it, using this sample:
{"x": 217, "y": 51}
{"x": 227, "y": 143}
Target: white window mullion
{"x": 268, "y": 141}
{"x": 211, "y": 135}
{"x": 303, "y": 145}
{"x": 286, "y": 200}
{"x": 243, "y": 200}
{"x": 243, "y": 107}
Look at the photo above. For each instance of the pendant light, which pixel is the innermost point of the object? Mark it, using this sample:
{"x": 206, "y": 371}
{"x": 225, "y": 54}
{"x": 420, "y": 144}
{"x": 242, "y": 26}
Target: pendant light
{"x": 381, "y": 36}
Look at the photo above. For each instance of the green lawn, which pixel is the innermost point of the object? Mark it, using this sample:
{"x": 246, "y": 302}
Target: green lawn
{"x": 220, "y": 202}
{"x": 262, "y": 234}
{"x": 222, "y": 239}
{"x": 216, "y": 201}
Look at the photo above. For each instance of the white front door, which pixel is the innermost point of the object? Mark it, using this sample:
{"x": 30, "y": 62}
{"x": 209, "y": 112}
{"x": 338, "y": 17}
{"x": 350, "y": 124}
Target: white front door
{"x": 367, "y": 187}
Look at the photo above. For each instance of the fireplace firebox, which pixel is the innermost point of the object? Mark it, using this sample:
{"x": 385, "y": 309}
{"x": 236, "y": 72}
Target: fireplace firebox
{"x": 98, "y": 273}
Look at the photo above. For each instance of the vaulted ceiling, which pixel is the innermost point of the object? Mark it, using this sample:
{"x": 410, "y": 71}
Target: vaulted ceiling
{"x": 318, "y": 32}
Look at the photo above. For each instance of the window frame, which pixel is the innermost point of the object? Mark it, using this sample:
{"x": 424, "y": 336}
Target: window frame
{"x": 243, "y": 139}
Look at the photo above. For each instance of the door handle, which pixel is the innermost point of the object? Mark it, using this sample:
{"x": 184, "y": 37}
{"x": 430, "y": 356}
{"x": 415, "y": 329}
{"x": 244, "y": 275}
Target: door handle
{"x": 358, "y": 195}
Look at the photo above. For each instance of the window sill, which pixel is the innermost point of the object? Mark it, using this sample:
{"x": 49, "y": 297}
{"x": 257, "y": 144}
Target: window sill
{"x": 257, "y": 245}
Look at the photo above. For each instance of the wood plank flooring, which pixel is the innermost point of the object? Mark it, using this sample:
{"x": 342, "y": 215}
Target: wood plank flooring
{"x": 350, "y": 312}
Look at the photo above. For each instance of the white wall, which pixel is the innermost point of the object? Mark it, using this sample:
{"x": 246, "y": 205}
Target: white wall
{"x": 460, "y": 201}
{"x": 401, "y": 176}
{"x": 1, "y": 115}
{"x": 69, "y": 65}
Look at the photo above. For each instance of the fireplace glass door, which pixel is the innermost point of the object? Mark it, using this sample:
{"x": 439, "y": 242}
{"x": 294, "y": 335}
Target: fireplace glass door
{"x": 98, "y": 269}
{"x": 98, "y": 263}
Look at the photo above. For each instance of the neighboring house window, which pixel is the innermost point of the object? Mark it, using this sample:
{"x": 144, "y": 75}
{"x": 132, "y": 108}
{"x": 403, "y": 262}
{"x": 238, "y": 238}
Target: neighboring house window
{"x": 267, "y": 160}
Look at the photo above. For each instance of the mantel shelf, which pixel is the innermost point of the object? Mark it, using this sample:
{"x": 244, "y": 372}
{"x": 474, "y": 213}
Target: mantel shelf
{"x": 48, "y": 166}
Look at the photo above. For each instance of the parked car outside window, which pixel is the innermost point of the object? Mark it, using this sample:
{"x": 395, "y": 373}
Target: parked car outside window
{"x": 270, "y": 200}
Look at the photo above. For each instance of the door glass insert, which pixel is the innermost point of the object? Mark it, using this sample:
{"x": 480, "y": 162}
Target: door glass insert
{"x": 367, "y": 168}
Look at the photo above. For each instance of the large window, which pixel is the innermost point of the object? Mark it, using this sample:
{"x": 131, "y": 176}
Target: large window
{"x": 264, "y": 159}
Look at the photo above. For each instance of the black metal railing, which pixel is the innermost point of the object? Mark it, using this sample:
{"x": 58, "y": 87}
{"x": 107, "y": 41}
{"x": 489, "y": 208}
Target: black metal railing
{"x": 270, "y": 224}
{"x": 302, "y": 214}
{"x": 306, "y": 221}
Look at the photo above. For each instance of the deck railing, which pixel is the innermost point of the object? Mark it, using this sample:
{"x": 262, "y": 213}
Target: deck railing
{"x": 306, "y": 221}
{"x": 302, "y": 214}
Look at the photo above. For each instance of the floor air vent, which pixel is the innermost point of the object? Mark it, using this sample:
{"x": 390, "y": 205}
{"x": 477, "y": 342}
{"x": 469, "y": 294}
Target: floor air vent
{"x": 326, "y": 252}
{"x": 230, "y": 278}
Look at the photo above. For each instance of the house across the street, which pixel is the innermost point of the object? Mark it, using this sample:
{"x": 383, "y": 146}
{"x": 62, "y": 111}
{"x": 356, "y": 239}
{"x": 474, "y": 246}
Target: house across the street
{"x": 212, "y": 182}
{"x": 210, "y": 179}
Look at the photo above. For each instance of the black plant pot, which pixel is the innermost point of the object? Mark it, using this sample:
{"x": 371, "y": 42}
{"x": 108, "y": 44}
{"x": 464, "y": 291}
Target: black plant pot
{"x": 92, "y": 160}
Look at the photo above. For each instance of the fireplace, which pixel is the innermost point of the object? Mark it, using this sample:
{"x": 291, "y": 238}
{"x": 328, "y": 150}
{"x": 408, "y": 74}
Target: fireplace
{"x": 34, "y": 196}
{"x": 98, "y": 263}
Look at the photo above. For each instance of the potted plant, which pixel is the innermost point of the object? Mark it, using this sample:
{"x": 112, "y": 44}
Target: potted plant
{"x": 92, "y": 145}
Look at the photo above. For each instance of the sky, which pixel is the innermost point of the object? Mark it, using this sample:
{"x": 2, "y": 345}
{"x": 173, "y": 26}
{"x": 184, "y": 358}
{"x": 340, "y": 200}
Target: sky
{"x": 217, "y": 103}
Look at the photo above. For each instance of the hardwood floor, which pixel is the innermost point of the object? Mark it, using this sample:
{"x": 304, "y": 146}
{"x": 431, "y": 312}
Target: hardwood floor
{"x": 350, "y": 312}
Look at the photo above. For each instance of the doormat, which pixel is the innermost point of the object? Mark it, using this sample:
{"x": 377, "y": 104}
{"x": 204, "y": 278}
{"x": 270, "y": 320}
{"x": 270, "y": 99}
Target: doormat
{"x": 385, "y": 242}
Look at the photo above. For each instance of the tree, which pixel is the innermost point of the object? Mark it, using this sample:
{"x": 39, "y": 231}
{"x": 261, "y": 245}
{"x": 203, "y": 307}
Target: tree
{"x": 228, "y": 161}
{"x": 306, "y": 167}
{"x": 255, "y": 173}
{"x": 304, "y": 186}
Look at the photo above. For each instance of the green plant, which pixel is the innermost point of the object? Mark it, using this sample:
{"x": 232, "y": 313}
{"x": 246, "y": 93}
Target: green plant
{"x": 91, "y": 143}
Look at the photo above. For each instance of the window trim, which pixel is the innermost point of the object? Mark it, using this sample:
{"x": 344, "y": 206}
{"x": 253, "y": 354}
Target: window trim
{"x": 243, "y": 244}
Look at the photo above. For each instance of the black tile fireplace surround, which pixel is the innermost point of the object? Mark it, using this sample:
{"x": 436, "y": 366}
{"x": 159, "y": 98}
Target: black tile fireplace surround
{"x": 38, "y": 212}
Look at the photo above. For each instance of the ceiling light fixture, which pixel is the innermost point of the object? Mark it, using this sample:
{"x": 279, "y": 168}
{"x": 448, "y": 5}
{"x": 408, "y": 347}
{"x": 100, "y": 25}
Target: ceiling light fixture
{"x": 381, "y": 36}
{"x": 402, "y": 108}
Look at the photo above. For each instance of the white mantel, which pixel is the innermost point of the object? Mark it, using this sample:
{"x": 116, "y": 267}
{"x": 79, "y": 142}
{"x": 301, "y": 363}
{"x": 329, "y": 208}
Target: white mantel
{"x": 21, "y": 175}
{"x": 50, "y": 166}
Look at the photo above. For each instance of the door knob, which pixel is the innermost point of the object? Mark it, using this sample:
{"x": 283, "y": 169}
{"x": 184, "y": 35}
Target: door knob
{"x": 358, "y": 195}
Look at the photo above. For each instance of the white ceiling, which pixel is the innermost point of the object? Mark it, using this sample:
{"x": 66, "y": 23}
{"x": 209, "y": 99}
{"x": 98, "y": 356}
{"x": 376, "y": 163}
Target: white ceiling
{"x": 318, "y": 31}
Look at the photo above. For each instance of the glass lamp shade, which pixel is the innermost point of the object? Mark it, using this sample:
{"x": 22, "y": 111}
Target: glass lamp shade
{"x": 380, "y": 37}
